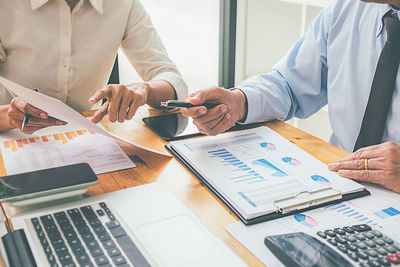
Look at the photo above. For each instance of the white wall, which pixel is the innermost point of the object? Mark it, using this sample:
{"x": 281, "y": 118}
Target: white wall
{"x": 267, "y": 29}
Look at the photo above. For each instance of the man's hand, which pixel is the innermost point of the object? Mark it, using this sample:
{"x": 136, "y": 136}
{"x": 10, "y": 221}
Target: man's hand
{"x": 230, "y": 109}
{"x": 122, "y": 101}
{"x": 383, "y": 165}
{"x": 38, "y": 120}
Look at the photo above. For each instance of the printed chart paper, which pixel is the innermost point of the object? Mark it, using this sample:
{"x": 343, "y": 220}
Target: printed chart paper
{"x": 58, "y": 109}
{"x": 254, "y": 168}
{"x": 59, "y": 146}
{"x": 380, "y": 210}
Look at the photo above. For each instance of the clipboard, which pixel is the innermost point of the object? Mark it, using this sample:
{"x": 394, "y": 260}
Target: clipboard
{"x": 284, "y": 207}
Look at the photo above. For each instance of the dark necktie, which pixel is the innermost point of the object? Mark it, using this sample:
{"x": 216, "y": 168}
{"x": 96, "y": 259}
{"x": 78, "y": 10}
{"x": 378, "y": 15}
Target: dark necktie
{"x": 380, "y": 97}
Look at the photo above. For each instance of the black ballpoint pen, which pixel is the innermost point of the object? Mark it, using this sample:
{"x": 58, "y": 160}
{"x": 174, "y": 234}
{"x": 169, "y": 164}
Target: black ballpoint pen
{"x": 27, "y": 116}
{"x": 184, "y": 104}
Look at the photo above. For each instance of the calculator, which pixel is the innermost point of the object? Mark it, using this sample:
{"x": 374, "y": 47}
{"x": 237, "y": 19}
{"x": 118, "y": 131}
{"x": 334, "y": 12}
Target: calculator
{"x": 356, "y": 245}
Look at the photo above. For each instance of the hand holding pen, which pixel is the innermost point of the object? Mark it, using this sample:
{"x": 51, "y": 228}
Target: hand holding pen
{"x": 231, "y": 107}
{"x": 29, "y": 119}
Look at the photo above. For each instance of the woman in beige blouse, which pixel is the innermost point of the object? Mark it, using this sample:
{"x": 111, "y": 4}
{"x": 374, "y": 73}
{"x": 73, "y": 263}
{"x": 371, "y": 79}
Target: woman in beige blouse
{"x": 66, "y": 49}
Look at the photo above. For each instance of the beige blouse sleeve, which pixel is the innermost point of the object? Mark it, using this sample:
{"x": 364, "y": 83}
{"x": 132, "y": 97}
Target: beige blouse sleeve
{"x": 5, "y": 96}
{"x": 2, "y": 54}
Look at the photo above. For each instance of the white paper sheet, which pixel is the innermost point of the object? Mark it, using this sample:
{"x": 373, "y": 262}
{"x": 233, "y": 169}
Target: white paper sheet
{"x": 253, "y": 168}
{"x": 59, "y": 146}
{"x": 58, "y": 109}
{"x": 380, "y": 210}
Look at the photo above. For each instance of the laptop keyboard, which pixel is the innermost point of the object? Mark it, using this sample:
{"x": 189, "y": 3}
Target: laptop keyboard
{"x": 86, "y": 236}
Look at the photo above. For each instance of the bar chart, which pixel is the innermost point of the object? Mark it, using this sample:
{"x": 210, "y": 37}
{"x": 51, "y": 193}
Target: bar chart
{"x": 245, "y": 174}
{"x": 15, "y": 144}
{"x": 351, "y": 212}
{"x": 60, "y": 146}
{"x": 387, "y": 213}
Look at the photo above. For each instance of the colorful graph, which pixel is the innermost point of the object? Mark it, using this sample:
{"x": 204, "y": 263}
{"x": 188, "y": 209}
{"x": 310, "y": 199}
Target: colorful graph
{"x": 246, "y": 173}
{"x": 16, "y": 144}
{"x": 348, "y": 210}
{"x": 291, "y": 161}
{"x": 266, "y": 164}
{"x": 321, "y": 180}
{"x": 268, "y": 146}
{"x": 386, "y": 213}
{"x": 305, "y": 220}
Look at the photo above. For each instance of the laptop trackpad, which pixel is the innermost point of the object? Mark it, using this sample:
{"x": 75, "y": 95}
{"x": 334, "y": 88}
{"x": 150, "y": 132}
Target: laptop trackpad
{"x": 179, "y": 241}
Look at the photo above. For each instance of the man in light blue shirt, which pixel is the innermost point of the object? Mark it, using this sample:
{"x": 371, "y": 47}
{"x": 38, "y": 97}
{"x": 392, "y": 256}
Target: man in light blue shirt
{"x": 334, "y": 62}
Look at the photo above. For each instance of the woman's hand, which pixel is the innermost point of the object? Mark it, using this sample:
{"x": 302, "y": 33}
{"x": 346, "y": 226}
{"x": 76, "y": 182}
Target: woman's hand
{"x": 122, "y": 101}
{"x": 39, "y": 119}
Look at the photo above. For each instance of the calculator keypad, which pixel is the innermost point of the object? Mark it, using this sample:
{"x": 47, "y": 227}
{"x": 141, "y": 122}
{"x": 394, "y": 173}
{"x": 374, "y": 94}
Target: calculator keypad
{"x": 364, "y": 245}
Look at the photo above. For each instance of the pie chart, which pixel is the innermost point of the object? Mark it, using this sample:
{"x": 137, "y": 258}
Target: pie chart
{"x": 305, "y": 220}
{"x": 291, "y": 161}
{"x": 268, "y": 146}
{"x": 320, "y": 179}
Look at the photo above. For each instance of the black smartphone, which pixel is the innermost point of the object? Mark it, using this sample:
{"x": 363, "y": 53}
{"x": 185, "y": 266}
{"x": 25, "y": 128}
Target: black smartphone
{"x": 46, "y": 182}
{"x": 172, "y": 126}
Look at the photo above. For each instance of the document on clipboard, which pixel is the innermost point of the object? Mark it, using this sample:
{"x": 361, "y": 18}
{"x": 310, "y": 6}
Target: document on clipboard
{"x": 261, "y": 176}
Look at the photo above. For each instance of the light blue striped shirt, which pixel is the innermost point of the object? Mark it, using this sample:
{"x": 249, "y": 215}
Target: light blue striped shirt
{"x": 334, "y": 62}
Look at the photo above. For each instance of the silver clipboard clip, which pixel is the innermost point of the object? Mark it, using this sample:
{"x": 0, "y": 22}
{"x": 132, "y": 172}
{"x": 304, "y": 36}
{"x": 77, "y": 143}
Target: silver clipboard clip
{"x": 306, "y": 199}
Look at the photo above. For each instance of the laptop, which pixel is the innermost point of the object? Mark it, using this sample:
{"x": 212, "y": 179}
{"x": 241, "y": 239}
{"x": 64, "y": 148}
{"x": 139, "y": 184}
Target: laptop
{"x": 140, "y": 226}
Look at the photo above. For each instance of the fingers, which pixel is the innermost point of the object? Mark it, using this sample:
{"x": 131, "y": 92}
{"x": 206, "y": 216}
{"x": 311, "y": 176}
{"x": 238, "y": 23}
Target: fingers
{"x": 25, "y": 108}
{"x": 35, "y": 122}
{"x": 123, "y": 108}
{"x": 207, "y": 127}
{"x": 207, "y": 95}
{"x": 212, "y": 114}
{"x": 38, "y": 120}
{"x": 358, "y": 164}
{"x": 194, "y": 112}
{"x": 223, "y": 125}
{"x": 123, "y": 101}
{"x": 366, "y": 153}
{"x": 100, "y": 94}
{"x": 215, "y": 121}
{"x": 132, "y": 109}
{"x": 31, "y": 130}
{"x": 100, "y": 113}
{"x": 115, "y": 103}
{"x": 372, "y": 176}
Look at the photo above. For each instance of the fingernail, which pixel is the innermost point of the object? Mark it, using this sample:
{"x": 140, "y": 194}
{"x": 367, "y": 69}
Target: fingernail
{"x": 43, "y": 115}
{"x": 223, "y": 109}
{"x": 203, "y": 111}
{"x": 228, "y": 116}
{"x": 58, "y": 122}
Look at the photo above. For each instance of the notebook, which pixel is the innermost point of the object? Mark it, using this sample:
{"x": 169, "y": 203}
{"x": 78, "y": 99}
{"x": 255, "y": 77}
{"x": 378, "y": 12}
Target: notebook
{"x": 261, "y": 176}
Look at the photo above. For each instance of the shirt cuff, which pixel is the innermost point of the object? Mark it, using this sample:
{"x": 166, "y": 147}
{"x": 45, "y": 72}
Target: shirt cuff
{"x": 253, "y": 104}
{"x": 176, "y": 81}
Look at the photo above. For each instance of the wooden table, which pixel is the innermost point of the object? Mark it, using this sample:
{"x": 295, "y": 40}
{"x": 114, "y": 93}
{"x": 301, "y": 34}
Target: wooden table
{"x": 185, "y": 186}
